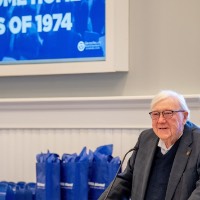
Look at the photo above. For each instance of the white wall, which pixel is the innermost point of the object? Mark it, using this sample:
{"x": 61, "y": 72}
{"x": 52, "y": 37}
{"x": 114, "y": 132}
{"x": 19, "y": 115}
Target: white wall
{"x": 65, "y": 125}
{"x": 164, "y": 54}
{"x": 165, "y": 46}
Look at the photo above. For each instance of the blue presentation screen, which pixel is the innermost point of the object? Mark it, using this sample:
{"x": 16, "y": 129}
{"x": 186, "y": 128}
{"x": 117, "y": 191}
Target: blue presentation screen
{"x": 51, "y": 30}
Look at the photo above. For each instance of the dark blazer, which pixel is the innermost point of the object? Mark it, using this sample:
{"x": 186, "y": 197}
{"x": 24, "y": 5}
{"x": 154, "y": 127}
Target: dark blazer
{"x": 184, "y": 180}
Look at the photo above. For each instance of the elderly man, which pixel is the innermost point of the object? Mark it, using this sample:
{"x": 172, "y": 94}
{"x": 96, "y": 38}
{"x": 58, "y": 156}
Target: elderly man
{"x": 166, "y": 164}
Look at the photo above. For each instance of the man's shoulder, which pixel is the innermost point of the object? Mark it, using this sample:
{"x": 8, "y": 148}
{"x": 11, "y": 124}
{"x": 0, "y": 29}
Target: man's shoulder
{"x": 147, "y": 131}
{"x": 193, "y": 127}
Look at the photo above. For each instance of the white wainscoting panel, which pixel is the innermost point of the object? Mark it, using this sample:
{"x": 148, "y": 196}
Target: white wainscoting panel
{"x": 19, "y": 147}
{"x": 66, "y": 125}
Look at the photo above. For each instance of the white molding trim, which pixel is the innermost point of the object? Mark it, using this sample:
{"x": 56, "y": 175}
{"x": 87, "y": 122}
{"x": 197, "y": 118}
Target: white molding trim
{"x": 85, "y": 112}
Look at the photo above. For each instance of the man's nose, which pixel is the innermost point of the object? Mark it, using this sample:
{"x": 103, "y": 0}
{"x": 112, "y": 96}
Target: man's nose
{"x": 161, "y": 118}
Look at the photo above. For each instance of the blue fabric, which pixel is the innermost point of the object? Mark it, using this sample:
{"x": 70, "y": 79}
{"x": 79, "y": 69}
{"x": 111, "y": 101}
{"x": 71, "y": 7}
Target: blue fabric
{"x": 48, "y": 177}
{"x": 6, "y": 192}
{"x": 32, "y": 188}
{"x": 74, "y": 176}
{"x": 21, "y": 193}
{"x": 103, "y": 168}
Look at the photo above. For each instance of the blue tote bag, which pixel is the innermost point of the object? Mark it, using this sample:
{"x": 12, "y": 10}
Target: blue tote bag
{"x": 31, "y": 186}
{"x": 74, "y": 176}
{"x": 6, "y": 192}
{"x": 103, "y": 168}
{"x": 48, "y": 177}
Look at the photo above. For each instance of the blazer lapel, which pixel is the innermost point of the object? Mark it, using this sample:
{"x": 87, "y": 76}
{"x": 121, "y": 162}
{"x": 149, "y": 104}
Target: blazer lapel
{"x": 180, "y": 163}
{"x": 148, "y": 156}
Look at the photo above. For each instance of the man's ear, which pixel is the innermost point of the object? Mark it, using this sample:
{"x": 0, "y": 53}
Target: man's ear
{"x": 185, "y": 114}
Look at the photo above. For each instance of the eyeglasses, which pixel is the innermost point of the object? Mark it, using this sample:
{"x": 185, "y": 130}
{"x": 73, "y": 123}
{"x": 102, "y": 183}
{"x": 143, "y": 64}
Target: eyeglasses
{"x": 167, "y": 114}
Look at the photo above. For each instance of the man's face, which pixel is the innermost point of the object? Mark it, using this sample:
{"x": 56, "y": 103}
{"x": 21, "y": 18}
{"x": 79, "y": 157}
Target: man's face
{"x": 169, "y": 130}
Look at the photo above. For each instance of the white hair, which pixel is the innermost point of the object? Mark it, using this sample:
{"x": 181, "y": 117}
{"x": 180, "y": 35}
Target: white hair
{"x": 171, "y": 94}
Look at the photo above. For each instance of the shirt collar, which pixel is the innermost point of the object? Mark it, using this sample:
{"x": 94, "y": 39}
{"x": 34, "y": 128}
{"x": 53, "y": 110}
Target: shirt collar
{"x": 163, "y": 147}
